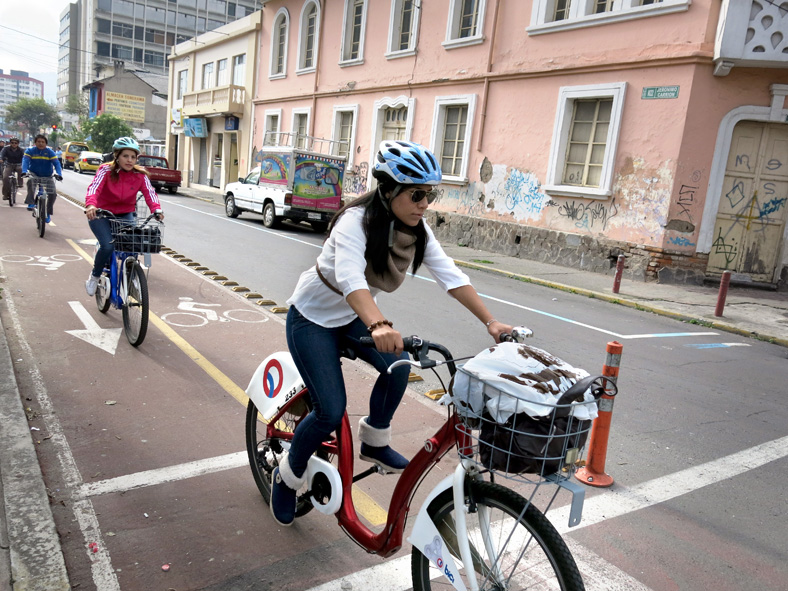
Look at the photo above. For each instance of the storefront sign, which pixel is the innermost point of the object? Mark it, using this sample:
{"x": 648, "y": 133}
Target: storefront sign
{"x": 128, "y": 107}
{"x": 660, "y": 92}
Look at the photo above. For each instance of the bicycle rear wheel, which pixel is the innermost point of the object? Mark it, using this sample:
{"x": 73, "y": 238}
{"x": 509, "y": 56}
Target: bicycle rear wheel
{"x": 41, "y": 220}
{"x": 519, "y": 548}
{"x": 135, "y": 307}
{"x": 102, "y": 293}
{"x": 264, "y": 453}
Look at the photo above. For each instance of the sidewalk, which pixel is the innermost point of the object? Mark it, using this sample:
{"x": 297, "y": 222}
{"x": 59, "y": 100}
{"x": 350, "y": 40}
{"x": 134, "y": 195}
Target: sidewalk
{"x": 748, "y": 311}
{"x": 29, "y": 543}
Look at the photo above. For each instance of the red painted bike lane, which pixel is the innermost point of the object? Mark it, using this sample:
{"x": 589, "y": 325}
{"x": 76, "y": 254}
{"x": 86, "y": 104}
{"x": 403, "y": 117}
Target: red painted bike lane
{"x": 143, "y": 449}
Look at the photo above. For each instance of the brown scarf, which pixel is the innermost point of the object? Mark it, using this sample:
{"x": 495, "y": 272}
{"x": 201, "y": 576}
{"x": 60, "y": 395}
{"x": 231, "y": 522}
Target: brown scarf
{"x": 400, "y": 259}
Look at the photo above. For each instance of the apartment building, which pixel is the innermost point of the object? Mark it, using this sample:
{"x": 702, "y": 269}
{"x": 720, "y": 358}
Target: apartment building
{"x": 94, "y": 34}
{"x": 14, "y": 86}
{"x": 568, "y": 131}
{"x": 211, "y": 85}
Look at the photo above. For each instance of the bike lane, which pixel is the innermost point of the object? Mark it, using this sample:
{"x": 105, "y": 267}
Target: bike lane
{"x": 142, "y": 450}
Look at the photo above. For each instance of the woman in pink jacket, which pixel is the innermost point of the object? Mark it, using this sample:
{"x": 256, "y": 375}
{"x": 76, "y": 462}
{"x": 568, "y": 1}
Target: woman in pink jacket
{"x": 115, "y": 189}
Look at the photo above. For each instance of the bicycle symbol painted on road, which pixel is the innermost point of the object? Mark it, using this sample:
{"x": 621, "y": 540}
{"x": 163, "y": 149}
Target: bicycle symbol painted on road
{"x": 50, "y": 263}
{"x": 195, "y": 314}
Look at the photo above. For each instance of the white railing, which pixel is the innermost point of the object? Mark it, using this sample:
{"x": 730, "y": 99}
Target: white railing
{"x": 751, "y": 33}
{"x": 224, "y": 99}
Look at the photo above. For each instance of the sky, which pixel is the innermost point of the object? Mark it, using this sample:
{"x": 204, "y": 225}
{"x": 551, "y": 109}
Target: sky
{"x": 29, "y": 39}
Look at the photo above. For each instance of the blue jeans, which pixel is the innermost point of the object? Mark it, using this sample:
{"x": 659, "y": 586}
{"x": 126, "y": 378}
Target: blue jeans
{"x": 102, "y": 229}
{"x": 315, "y": 350}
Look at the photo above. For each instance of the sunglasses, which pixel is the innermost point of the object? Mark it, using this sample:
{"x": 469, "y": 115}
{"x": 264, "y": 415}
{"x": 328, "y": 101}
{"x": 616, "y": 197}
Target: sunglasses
{"x": 418, "y": 194}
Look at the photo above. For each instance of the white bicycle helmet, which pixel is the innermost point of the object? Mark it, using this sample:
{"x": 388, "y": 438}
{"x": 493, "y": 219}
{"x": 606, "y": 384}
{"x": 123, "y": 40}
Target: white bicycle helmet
{"x": 407, "y": 163}
{"x": 126, "y": 143}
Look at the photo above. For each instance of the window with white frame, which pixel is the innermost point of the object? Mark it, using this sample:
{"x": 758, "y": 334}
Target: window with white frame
{"x": 585, "y": 139}
{"x": 182, "y": 80}
{"x": 561, "y": 15}
{"x": 466, "y": 23}
{"x": 207, "y": 76}
{"x": 395, "y": 123}
{"x": 343, "y": 131}
{"x": 272, "y": 119}
{"x": 451, "y": 135}
{"x": 279, "y": 44}
{"x": 239, "y": 70}
{"x": 308, "y": 35}
{"x": 353, "y": 29}
{"x": 403, "y": 29}
{"x": 221, "y": 72}
{"x": 300, "y": 127}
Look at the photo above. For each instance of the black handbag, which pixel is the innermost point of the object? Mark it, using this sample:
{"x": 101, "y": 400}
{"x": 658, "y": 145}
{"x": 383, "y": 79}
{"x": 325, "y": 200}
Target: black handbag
{"x": 538, "y": 445}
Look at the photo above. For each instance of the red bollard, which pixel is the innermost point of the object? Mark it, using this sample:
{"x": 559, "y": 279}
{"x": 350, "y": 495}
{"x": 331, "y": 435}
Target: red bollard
{"x": 593, "y": 473}
{"x": 619, "y": 272}
{"x": 725, "y": 281}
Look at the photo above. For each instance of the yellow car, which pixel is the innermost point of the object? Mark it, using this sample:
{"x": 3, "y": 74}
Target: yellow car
{"x": 87, "y": 161}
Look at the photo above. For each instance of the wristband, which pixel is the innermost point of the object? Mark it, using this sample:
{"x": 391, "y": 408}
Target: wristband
{"x": 377, "y": 323}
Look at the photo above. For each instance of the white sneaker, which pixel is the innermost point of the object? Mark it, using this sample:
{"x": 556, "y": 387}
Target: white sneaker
{"x": 91, "y": 284}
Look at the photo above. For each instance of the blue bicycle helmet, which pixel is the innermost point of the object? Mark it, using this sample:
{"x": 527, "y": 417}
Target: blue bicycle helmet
{"x": 407, "y": 163}
{"x": 126, "y": 143}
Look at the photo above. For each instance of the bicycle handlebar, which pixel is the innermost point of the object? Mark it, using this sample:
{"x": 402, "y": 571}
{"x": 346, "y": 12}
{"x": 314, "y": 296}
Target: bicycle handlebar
{"x": 106, "y": 213}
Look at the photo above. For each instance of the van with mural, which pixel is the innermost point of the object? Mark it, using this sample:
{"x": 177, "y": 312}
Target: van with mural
{"x": 291, "y": 183}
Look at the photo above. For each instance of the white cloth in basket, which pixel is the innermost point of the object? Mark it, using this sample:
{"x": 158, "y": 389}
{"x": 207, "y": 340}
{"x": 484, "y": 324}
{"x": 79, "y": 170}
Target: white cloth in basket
{"x": 509, "y": 378}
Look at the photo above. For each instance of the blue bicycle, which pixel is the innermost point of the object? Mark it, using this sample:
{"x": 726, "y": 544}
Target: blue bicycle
{"x": 124, "y": 284}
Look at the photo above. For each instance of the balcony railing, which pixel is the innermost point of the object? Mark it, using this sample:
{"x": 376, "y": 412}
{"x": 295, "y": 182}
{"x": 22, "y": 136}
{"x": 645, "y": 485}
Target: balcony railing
{"x": 227, "y": 100}
{"x": 751, "y": 33}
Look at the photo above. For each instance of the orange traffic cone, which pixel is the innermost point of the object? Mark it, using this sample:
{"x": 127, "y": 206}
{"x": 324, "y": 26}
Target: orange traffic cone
{"x": 593, "y": 473}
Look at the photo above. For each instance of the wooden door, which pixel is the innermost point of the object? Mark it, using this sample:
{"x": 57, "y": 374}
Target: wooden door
{"x": 748, "y": 233}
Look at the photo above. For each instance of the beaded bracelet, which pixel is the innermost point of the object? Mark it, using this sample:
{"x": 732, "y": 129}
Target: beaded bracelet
{"x": 374, "y": 325}
{"x": 489, "y": 322}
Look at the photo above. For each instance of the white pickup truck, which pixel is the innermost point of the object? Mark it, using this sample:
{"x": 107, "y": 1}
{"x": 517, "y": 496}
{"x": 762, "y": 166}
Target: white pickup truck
{"x": 292, "y": 184}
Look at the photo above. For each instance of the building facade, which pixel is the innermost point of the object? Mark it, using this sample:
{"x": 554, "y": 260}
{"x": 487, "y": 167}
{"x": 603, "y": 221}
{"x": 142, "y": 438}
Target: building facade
{"x": 211, "y": 84}
{"x": 14, "y": 86}
{"x": 94, "y": 34}
{"x": 570, "y": 132}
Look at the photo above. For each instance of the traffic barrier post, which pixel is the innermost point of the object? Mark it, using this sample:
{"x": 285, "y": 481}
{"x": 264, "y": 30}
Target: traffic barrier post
{"x": 619, "y": 272}
{"x": 593, "y": 473}
{"x": 725, "y": 281}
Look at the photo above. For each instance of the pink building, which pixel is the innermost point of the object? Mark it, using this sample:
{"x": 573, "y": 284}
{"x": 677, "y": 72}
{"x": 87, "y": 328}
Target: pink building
{"x": 568, "y": 130}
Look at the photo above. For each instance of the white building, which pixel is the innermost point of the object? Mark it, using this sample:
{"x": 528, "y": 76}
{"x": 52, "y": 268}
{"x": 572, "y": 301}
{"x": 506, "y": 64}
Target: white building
{"x": 15, "y": 86}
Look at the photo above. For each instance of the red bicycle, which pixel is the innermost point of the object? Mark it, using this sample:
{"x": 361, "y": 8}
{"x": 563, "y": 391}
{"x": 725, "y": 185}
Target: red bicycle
{"x": 471, "y": 532}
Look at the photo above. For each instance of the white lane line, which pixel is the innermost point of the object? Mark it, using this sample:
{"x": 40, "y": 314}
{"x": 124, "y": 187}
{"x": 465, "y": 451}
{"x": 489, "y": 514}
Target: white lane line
{"x": 394, "y": 575}
{"x": 100, "y": 563}
{"x": 162, "y": 475}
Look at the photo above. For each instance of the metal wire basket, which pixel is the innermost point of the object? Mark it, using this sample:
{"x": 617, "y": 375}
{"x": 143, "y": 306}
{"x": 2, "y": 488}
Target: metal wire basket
{"x": 522, "y": 438}
{"x": 136, "y": 235}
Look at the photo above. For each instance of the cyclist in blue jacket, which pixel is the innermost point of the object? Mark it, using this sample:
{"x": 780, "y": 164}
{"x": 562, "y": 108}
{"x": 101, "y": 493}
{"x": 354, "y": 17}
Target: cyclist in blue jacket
{"x": 42, "y": 161}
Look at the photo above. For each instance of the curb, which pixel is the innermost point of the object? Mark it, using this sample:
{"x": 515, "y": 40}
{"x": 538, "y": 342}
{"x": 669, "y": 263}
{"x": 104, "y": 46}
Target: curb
{"x": 34, "y": 545}
{"x": 627, "y": 303}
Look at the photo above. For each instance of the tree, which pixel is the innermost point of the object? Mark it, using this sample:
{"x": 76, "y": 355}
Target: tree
{"x": 105, "y": 129}
{"x": 77, "y": 105}
{"x": 30, "y": 115}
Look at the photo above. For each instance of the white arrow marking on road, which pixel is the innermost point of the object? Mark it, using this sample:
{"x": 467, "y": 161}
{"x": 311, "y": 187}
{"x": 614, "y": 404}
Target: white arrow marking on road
{"x": 103, "y": 338}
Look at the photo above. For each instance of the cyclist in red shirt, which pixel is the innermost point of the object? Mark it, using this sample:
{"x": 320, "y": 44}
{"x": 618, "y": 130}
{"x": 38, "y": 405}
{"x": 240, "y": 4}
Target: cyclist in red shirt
{"x": 115, "y": 189}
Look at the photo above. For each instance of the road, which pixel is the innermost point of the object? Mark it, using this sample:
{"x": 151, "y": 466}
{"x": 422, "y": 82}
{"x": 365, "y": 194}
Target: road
{"x": 143, "y": 448}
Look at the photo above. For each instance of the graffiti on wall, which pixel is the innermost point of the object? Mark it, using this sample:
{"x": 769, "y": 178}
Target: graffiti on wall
{"x": 588, "y": 216}
{"x": 686, "y": 195}
{"x": 355, "y": 182}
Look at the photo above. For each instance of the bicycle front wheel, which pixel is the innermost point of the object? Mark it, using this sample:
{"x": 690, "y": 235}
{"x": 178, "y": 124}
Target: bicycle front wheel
{"x": 41, "y": 220}
{"x": 12, "y": 194}
{"x": 514, "y": 546}
{"x": 135, "y": 307}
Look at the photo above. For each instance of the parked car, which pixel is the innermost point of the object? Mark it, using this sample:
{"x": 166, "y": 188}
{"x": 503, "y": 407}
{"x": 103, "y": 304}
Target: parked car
{"x": 70, "y": 152}
{"x": 161, "y": 175}
{"x": 87, "y": 161}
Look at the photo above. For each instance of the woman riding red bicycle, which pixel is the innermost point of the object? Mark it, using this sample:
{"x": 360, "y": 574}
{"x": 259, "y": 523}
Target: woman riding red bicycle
{"x": 372, "y": 243}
